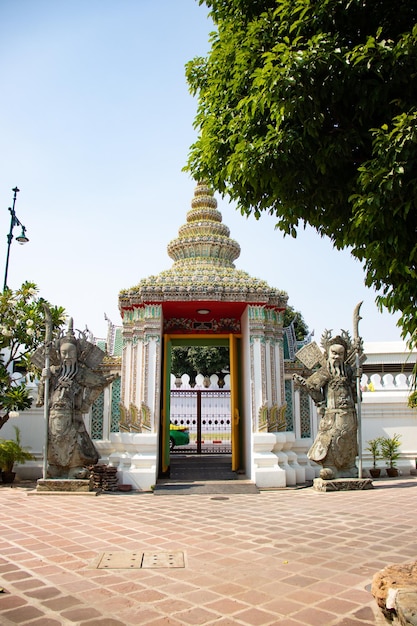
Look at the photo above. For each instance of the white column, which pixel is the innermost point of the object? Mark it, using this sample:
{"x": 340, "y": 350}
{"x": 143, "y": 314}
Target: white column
{"x": 107, "y": 411}
{"x": 278, "y": 369}
{"x": 297, "y": 414}
{"x": 126, "y": 373}
{"x": 268, "y": 372}
{"x": 257, "y": 376}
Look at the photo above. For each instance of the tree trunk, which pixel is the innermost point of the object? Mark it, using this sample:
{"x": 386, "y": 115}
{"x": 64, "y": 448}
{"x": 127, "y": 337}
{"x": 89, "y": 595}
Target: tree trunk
{"x": 4, "y": 419}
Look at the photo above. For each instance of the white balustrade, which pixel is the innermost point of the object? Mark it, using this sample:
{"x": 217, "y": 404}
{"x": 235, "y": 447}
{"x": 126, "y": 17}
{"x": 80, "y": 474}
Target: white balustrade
{"x": 301, "y": 447}
{"x": 300, "y": 474}
{"x": 385, "y": 382}
{"x": 267, "y": 471}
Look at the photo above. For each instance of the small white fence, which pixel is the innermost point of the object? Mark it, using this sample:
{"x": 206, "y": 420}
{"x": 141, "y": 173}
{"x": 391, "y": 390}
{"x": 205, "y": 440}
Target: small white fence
{"x": 204, "y": 409}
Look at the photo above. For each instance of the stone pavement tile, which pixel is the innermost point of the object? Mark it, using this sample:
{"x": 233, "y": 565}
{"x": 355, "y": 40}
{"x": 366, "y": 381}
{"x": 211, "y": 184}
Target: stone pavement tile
{"x": 365, "y": 613}
{"x": 226, "y": 606}
{"x": 172, "y": 605}
{"x": 61, "y": 603}
{"x": 115, "y": 604}
{"x": 348, "y": 579}
{"x": 22, "y": 614}
{"x": 108, "y": 578}
{"x": 15, "y": 575}
{"x": 327, "y": 588}
{"x": 299, "y": 580}
{"x": 75, "y": 586}
{"x": 196, "y": 615}
{"x": 49, "y": 570}
{"x": 305, "y": 596}
{"x": 276, "y": 588}
{"x": 313, "y": 616}
{"x": 43, "y": 593}
{"x": 144, "y": 616}
{"x": 149, "y": 596}
{"x": 283, "y": 606}
{"x": 79, "y": 614}
{"x": 8, "y": 567}
{"x": 178, "y": 588}
{"x": 360, "y": 596}
{"x": 337, "y": 605}
{"x": 228, "y": 588}
{"x": 326, "y": 571}
{"x": 123, "y": 587}
{"x": 8, "y": 601}
{"x": 250, "y": 579}
{"x": 340, "y": 567}
{"x": 254, "y": 596}
{"x": 256, "y": 617}
{"x": 96, "y": 596}
{"x": 28, "y": 583}
{"x": 200, "y": 596}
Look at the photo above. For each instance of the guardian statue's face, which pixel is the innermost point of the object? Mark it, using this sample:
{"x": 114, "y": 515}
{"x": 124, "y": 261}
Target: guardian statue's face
{"x": 68, "y": 354}
{"x": 336, "y": 354}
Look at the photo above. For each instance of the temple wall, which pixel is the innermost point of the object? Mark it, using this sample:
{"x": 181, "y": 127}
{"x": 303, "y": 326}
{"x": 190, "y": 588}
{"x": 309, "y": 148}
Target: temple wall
{"x": 141, "y": 361}
{"x": 266, "y": 360}
{"x": 246, "y": 393}
{"x": 274, "y": 458}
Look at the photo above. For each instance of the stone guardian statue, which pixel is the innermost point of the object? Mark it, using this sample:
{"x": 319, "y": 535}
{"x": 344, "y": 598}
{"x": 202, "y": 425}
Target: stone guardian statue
{"x": 75, "y": 382}
{"x": 333, "y": 388}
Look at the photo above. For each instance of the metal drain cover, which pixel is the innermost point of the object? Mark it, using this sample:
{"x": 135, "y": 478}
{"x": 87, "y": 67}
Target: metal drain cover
{"x": 120, "y": 560}
{"x": 163, "y": 559}
{"x": 138, "y": 560}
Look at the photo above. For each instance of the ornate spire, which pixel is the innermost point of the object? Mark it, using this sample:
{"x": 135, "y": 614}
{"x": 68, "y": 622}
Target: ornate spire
{"x": 204, "y": 239}
{"x": 203, "y": 268}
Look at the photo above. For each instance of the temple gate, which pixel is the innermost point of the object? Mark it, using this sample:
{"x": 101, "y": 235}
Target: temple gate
{"x": 204, "y": 300}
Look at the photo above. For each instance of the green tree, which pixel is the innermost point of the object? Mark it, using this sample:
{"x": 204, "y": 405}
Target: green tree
{"x": 307, "y": 110}
{"x": 22, "y": 330}
{"x": 205, "y": 360}
{"x": 300, "y": 327}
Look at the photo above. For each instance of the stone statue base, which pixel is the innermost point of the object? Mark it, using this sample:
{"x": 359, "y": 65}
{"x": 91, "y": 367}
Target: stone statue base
{"x": 342, "y": 484}
{"x": 64, "y": 485}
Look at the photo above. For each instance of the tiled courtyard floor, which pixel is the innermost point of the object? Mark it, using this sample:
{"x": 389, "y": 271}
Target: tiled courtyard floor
{"x": 291, "y": 557}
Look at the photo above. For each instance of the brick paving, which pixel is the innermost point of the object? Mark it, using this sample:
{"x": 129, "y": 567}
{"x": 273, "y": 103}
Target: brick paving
{"x": 292, "y": 557}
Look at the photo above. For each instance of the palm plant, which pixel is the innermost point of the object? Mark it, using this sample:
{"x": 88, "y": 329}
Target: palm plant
{"x": 374, "y": 447}
{"x": 390, "y": 449}
{"x": 11, "y": 452}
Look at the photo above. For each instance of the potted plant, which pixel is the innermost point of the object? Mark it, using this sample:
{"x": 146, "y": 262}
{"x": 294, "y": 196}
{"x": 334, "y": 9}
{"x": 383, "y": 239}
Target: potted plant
{"x": 390, "y": 452}
{"x": 374, "y": 448}
{"x": 11, "y": 452}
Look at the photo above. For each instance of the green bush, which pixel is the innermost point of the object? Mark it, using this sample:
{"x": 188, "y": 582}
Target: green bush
{"x": 390, "y": 449}
{"x": 11, "y": 452}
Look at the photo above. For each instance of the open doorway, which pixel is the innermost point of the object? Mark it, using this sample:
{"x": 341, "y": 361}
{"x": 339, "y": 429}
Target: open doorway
{"x": 200, "y": 430}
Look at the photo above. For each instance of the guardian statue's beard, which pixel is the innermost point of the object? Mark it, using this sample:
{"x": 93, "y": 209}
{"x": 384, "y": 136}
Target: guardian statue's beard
{"x": 337, "y": 369}
{"x": 68, "y": 372}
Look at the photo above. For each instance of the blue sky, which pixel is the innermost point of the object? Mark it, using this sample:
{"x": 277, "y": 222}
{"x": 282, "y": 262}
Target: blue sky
{"x": 96, "y": 122}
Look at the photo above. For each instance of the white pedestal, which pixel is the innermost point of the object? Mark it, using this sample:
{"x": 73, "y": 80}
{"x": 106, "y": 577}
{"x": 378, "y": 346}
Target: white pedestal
{"x": 268, "y": 474}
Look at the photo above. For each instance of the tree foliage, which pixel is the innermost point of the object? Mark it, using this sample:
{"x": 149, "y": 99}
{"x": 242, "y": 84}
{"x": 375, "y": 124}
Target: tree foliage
{"x": 22, "y": 330}
{"x": 307, "y": 110}
{"x": 205, "y": 360}
{"x": 295, "y": 317}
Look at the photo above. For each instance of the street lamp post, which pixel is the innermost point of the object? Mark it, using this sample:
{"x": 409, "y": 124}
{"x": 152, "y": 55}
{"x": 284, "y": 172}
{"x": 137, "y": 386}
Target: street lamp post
{"x": 21, "y": 238}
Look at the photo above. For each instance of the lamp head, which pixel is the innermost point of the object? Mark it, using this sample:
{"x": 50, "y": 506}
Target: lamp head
{"x": 22, "y": 237}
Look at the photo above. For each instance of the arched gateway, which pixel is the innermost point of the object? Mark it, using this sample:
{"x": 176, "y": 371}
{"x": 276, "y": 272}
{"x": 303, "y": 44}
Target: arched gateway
{"x": 204, "y": 299}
